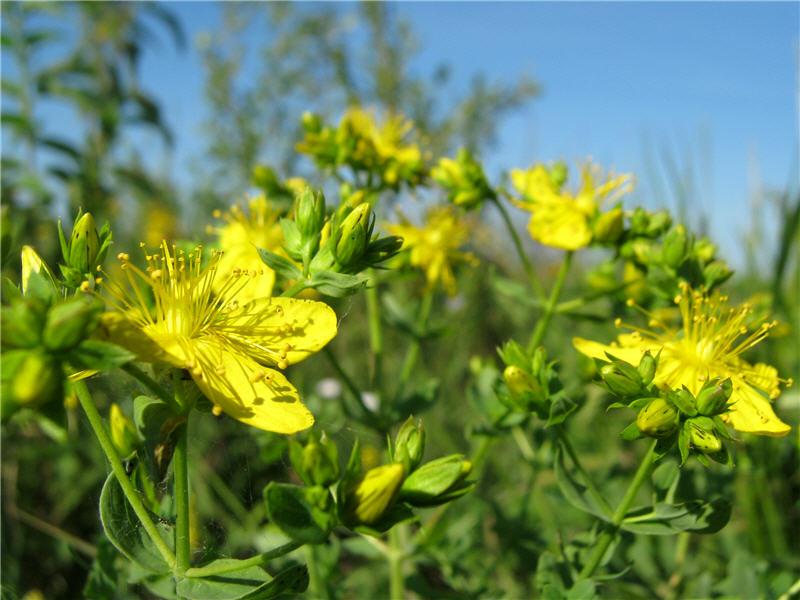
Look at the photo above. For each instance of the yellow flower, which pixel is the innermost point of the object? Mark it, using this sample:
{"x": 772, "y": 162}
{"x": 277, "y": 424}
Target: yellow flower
{"x": 239, "y": 237}
{"x": 434, "y": 247}
{"x": 561, "y": 219}
{"x": 228, "y": 347}
{"x": 708, "y": 345}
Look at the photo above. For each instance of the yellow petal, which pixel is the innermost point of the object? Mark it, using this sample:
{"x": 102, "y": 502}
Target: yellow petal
{"x": 598, "y": 350}
{"x": 290, "y": 326}
{"x": 560, "y": 227}
{"x": 248, "y": 392}
{"x": 752, "y": 413}
{"x": 115, "y": 327}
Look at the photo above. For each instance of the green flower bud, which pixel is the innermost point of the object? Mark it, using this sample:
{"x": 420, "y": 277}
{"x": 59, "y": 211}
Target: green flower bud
{"x": 640, "y": 220}
{"x": 608, "y": 226}
{"x": 123, "y": 432}
{"x": 673, "y": 250}
{"x": 70, "y": 322}
{"x": 320, "y": 460}
{"x": 703, "y": 440}
{"x": 409, "y": 444}
{"x": 684, "y": 401}
{"x": 84, "y": 244}
{"x": 37, "y": 379}
{"x": 21, "y": 323}
{"x": 354, "y": 235}
{"x": 374, "y": 493}
{"x": 658, "y": 419}
{"x": 310, "y": 213}
{"x": 265, "y": 178}
{"x": 558, "y": 173}
{"x": 522, "y": 384}
{"x": 622, "y": 379}
{"x": 36, "y": 274}
{"x": 716, "y": 272}
{"x": 311, "y": 122}
{"x": 658, "y": 223}
{"x": 435, "y": 479}
{"x": 713, "y": 398}
{"x": 704, "y": 250}
{"x": 647, "y": 368}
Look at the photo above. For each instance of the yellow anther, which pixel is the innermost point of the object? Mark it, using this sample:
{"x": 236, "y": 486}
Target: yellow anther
{"x": 84, "y": 286}
{"x": 123, "y": 256}
{"x": 283, "y": 364}
{"x": 677, "y": 299}
{"x": 617, "y": 322}
{"x": 629, "y": 302}
{"x": 156, "y": 274}
{"x": 142, "y": 244}
{"x": 216, "y": 410}
{"x": 99, "y": 280}
{"x": 220, "y": 370}
{"x": 217, "y": 214}
{"x": 257, "y": 376}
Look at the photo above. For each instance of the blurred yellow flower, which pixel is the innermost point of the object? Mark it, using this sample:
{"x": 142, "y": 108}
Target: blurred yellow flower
{"x": 434, "y": 247}
{"x": 561, "y": 219}
{"x": 228, "y": 347}
{"x": 708, "y": 345}
{"x": 242, "y": 233}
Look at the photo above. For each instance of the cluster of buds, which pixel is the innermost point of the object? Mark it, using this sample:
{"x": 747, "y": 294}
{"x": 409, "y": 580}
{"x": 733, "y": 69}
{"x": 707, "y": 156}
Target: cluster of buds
{"x": 693, "y": 422}
{"x": 359, "y": 143}
{"x": 332, "y": 249}
{"x": 532, "y": 384}
{"x": 464, "y": 180}
{"x": 85, "y": 250}
{"x": 45, "y": 336}
{"x": 369, "y": 501}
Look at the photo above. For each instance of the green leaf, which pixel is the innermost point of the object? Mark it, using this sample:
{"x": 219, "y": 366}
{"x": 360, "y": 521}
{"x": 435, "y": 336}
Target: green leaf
{"x": 668, "y": 519}
{"x": 631, "y": 432}
{"x": 155, "y": 422}
{"x": 561, "y": 406}
{"x": 576, "y": 492}
{"x": 280, "y": 264}
{"x": 125, "y": 531}
{"x": 100, "y": 356}
{"x": 582, "y": 590}
{"x": 252, "y": 583}
{"x": 304, "y": 514}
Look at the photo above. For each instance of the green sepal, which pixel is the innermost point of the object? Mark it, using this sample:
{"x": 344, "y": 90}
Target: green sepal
{"x": 280, "y": 264}
{"x": 631, "y": 432}
{"x": 336, "y": 285}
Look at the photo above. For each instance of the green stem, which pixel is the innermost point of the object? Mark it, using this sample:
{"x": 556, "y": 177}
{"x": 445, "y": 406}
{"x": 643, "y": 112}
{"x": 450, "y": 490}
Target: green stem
{"x": 397, "y": 588}
{"x": 524, "y": 445}
{"x": 317, "y": 588}
{"x": 549, "y": 307}
{"x": 375, "y": 332}
{"x": 295, "y": 289}
{"x": 253, "y": 561}
{"x": 132, "y": 495}
{"x": 569, "y": 305}
{"x": 565, "y": 442}
{"x": 534, "y": 281}
{"x": 479, "y": 455}
{"x": 181, "y": 473}
{"x": 152, "y": 385}
{"x": 619, "y": 515}
{"x": 413, "y": 350}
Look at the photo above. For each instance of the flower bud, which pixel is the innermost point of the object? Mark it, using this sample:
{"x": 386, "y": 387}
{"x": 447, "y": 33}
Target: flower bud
{"x": 684, "y": 401}
{"x": 123, "y": 432}
{"x": 522, "y": 384}
{"x": 716, "y": 272}
{"x": 608, "y": 226}
{"x": 311, "y": 122}
{"x": 374, "y": 493}
{"x": 658, "y": 223}
{"x": 704, "y": 250}
{"x": 409, "y": 444}
{"x": 310, "y": 213}
{"x": 354, "y": 235}
{"x": 639, "y": 221}
{"x": 84, "y": 244}
{"x": 558, "y": 173}
{"x": 37, "y": 379}
{"x": 658, "y": 419}
{"x": 320, "y": 460}
{"x": 35, "y": 272}
{"x": 621, "y": 379}
{"x": 434, "y": 479}
{"x": 647, "y": 368}
{"x": 713, "y": 398}
{"x": 69, "y": 323}
{"x": 673, "y": 250}
{"x": 705, "y": 441}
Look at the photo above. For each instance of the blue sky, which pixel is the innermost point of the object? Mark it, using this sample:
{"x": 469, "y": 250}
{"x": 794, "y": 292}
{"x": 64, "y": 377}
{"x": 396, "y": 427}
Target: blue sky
{"x": 713, "y": 85}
